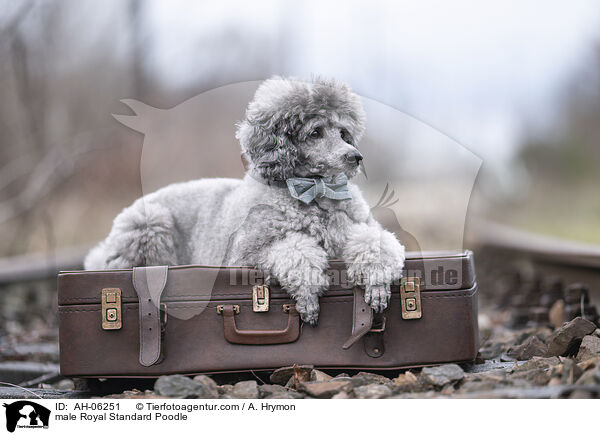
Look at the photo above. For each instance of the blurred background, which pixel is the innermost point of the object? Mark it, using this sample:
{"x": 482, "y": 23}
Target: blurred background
{"x": 517, "y": 84}
{"x": 477, "y": 112}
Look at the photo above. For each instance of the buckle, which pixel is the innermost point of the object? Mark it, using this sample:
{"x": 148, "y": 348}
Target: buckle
{"x": 260, "y": 298}
{"x": 111, "y": 309}
{"x": 381, "y": 327}
{"x": 410, "y": 298}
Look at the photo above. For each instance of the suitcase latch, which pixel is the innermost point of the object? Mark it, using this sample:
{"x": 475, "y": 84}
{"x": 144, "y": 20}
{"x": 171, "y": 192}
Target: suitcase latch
{"x": 260, "y": 298}
{"x": 111, "y": 308}
{"x": 410, "y": 298}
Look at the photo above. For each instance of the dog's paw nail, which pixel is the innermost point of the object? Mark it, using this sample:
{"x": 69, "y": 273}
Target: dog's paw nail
{"x": 311, "y": 319}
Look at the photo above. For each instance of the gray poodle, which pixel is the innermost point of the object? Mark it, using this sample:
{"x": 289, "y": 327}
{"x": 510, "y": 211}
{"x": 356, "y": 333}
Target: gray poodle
{"x": 293, "y": 210}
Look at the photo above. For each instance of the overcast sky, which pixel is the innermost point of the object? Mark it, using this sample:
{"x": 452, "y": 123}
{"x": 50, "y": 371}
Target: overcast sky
{"x": 471, "y": 69}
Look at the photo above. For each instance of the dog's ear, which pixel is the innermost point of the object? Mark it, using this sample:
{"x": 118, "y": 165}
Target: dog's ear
{"x": 269, "y": 149}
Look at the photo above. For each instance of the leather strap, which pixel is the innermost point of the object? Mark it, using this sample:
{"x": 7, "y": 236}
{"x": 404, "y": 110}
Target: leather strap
{"x": 149, "y": 283}
{"x": 362, "y": 318}
{"x": 373, "y": 341}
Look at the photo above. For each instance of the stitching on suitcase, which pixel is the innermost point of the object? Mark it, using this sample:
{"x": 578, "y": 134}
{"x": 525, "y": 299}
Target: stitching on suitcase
{"x": 68, "y": 310}
{"x": 464, "y": 295}
{"x": 72, "y": 310}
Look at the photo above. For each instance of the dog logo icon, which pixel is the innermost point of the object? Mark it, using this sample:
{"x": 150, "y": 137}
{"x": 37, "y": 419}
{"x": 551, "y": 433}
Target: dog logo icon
{"x": 26, "y": 414}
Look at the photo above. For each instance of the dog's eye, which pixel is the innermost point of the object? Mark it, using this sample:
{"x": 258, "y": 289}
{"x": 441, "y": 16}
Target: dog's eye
{"x": 315, "y": 134}
{"x": 345, "y": 136}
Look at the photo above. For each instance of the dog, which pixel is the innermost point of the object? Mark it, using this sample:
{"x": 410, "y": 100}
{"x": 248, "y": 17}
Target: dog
{"x": 293, "y": 210}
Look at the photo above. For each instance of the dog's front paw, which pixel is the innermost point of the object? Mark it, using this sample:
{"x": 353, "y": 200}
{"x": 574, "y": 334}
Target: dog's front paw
{"x": 308, "y": 308}
{"x": 378, "y": 296}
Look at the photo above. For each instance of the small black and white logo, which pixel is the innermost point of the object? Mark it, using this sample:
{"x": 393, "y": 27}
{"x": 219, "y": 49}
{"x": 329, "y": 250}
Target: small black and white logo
{"x": 26, "y": 414}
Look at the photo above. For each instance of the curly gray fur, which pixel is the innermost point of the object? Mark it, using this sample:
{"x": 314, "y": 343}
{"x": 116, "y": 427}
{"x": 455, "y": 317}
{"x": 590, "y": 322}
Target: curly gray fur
{"x": 291, "y": 128}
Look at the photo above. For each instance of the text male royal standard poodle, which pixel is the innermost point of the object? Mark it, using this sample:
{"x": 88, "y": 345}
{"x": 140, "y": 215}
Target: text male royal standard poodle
{"x": 293, "y": 210}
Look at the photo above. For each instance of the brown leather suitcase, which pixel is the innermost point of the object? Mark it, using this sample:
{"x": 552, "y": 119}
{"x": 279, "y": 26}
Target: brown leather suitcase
{"x": 152, "y": 321}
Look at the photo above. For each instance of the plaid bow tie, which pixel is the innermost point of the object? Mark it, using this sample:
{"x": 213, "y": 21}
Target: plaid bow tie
{"x": 307, "y": 189}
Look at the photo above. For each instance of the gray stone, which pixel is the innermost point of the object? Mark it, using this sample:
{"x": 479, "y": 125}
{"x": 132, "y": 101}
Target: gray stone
{"x": 319, "y": 376}
{"x": 557, "y": 313}
{"x": 477, "y": 386}
{"x": 441, "y": 375}
{"x": 571, "y": 372}
{"x": 291, "y": 383}
{"x": 536, "y": 376}
{"x": 134, "y": 394}
{"x": 554, "y": 381}
{"x": 565, "y": 337}
{"x": 522, "y": 392}
{"x": 493, "y": 350}
{"x": 537, "y": 362}
{"x": 487, "y": 366}
{"x": 447, "y": 390}
{"x": 269, "y": 391}
{"x": 589, "y": 348}
{"x": 225, "y": 390}
{"x": 581, "y": 394}
{"x": 363, "y": 378}
{"x": 282, "y": 376}
{"x": 589, "y": 363}
{"x": 287, "y": 395}
{"x": 521, "y": 336}
{"x": 590, "y": 377}
{"x": 405, "y": 382}
{"x": 531, "y": 347}
{"x": 372, "y": 391}
{"x": 183, "y": 387}
{"x": 209, "y": 385}
{"x": 245, "y": 390}
{"x": 492, "y": 376}
{"x": 65, "y": 384}
{"x": 323, "y": 390}
{"x": 505, "y": 358}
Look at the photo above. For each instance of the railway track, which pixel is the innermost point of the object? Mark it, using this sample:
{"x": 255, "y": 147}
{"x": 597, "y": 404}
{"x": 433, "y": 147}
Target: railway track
{"x": 516, "y": 271}
{"x": 518, "y": 264}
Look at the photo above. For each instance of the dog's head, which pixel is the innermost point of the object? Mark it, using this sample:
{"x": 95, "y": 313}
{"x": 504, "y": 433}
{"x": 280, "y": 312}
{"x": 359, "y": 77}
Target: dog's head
{"x": 302, "y": 129}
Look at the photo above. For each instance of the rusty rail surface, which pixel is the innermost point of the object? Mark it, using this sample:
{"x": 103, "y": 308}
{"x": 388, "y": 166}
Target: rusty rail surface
{"x": 538, "y": 247}
{"x": 574, "y": 262}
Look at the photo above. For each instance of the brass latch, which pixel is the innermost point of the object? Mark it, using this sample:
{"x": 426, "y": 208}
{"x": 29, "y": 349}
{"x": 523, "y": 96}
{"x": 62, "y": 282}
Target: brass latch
{"x": 260, "y": 298}
{"x": 410, "y": 298}
{"x": 111, "y": 308}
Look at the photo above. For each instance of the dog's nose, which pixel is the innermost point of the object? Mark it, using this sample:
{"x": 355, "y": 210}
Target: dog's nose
{"x": 354, "y": 155}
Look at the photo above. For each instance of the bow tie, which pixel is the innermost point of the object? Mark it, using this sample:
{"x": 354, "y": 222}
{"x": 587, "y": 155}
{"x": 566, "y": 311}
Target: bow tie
{"x": 307, "y": 189}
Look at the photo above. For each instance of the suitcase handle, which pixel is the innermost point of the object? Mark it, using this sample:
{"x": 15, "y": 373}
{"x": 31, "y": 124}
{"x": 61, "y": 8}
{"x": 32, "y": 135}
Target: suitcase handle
{"x": 259, "y": 336}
